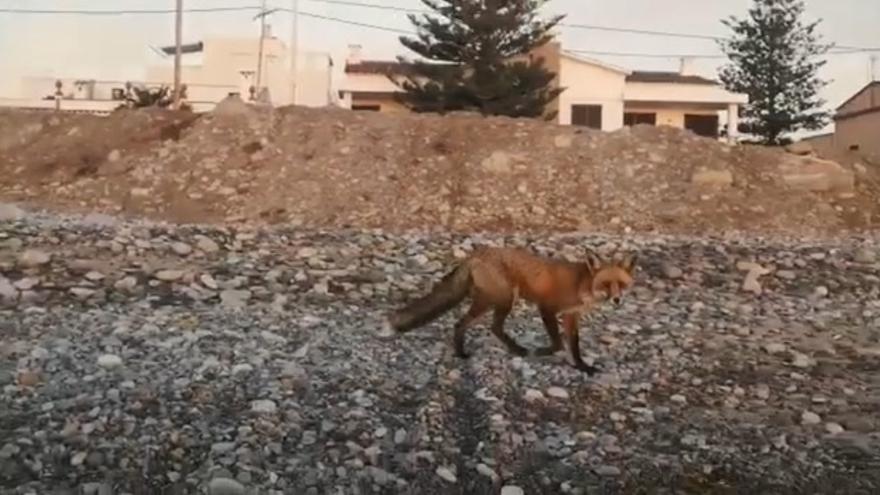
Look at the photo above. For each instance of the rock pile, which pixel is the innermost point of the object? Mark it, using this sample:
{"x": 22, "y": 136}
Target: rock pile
{"x": 326, "y": 167}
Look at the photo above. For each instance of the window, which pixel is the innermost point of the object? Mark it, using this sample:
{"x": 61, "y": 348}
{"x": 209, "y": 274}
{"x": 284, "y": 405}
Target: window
{"x": 366, "y": 108}
{"x": 587, "y": 115}
{"x": 702, "y": 125}
{"x": 635, "y": 118}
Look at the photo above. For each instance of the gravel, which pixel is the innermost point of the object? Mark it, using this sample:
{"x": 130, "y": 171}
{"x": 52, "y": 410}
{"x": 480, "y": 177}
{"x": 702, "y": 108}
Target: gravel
{"x": 255, "y": 364}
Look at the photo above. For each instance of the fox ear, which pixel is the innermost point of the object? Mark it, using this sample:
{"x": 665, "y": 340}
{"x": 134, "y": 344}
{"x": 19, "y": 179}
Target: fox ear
{"x": 629, "y": 261}
{"x": 593, "y": 260}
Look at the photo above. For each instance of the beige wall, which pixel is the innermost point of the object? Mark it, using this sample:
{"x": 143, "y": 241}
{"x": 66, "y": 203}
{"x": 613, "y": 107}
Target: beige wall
{"x": 673, "y": 117}
{"x": 587, "y": 84}
{"x": 862, "y": 130}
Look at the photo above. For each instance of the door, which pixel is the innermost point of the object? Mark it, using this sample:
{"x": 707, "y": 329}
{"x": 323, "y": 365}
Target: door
{"x": 587, "y": 115}
{"x": 702, "y": 125}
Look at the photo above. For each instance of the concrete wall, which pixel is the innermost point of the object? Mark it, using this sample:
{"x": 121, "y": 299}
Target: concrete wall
{"x": 862, "y": 131}
{"x": 587, "y": 84}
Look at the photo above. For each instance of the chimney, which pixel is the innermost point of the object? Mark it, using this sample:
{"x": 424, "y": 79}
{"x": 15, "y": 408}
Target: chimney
{"x": 354, "y": 54}
{"x": 687, "y": 67}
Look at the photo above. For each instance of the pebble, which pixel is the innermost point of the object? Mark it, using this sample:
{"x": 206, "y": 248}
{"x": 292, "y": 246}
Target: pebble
{"x": 225, "y": 486}
{"x": 446, "y": 474}
{"x": 109, "y": 361}
{"x": 181, "y": 248}
{"x": 533, "y": 395}
{"x": 606, "y": 470}
{"x": 833, "y": 428}
{"x": 10, "y": 213}
{"x": 264, "y": 406}
{"x": 512, "y": 490}
{"x": 672, "y": 272}
{"x": 679, "y": 399}
{"x": 800, "y": 360}
{"x": 169, "y": 275}
{"x": 775, "y": 348}
{"x": 7, "y": 290}
{"x": 235, "y": 299}
{"x": 488, "y": 472}
{"x": 32, "y": 258}
{"x": 865, "y": 256}
{"x": 206, "y": 245}
{"x": 810, "y": 418}
{"x": 557, "y": 393}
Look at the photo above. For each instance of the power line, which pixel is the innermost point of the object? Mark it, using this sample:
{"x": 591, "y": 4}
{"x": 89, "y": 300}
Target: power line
{"x": 125, "y": 12}
{"x": 593, "y": 27}
{"x": 646, "y": 55}
{"x": 593, "y": 52}
{"x": 838, "y": 50}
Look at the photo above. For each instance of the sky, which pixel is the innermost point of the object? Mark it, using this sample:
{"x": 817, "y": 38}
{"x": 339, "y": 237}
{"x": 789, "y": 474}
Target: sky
{"x": 117, "y": 47}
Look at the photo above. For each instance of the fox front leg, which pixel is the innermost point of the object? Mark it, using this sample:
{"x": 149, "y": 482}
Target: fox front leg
{"x": 570, "y": 323}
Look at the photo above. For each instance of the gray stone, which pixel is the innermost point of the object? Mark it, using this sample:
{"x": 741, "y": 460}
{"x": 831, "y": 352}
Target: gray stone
{"x": 10, "y": 213}
{"x": 109, "y": 361}
{"x": 264, "y": 406}
{"x": 33, "y": 258}
{"x": 810, "y": 418}
{"x": 225, "y": 486}
{"x": 169, "y": 275}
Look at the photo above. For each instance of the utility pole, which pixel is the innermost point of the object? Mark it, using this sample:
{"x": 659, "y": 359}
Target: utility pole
{"x": 262, "y": 40}
{"x": 294, "y": 49}
{"x": 178, "y": 35}
{"x": 872, "y": 76}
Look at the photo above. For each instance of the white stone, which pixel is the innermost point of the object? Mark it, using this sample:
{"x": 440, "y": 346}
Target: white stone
{"x": 446, "y": 474}
{"x": 264, "y": 406}
{"x": 109, "y": 361}
{"x": 810, "y": 418}
{"x": 557, "y": 393}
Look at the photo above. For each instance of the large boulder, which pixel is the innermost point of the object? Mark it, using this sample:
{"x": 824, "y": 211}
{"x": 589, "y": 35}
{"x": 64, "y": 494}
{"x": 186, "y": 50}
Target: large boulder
{"x": 814, "y": 174}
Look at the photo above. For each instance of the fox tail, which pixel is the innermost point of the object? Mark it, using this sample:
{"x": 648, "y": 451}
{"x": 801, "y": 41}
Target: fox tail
{"x": 445, "y": 295}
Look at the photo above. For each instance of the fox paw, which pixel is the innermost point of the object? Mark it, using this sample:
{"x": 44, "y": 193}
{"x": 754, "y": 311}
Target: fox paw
{"x": 588, "y": 369}
{"x": 386, "y": 330}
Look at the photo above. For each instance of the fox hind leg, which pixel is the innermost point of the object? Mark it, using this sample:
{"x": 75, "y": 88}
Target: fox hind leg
{"x": 513, "y": 347}
{"x": 478, "y": 307}
{"x": 551, "y": 324}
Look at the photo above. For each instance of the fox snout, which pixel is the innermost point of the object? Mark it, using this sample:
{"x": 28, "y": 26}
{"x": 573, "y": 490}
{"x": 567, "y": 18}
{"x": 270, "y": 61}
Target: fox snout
{"x": 616, "y": 300}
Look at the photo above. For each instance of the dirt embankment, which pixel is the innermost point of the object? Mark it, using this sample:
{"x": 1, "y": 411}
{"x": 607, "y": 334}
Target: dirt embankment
{"x": 332, "y": 167}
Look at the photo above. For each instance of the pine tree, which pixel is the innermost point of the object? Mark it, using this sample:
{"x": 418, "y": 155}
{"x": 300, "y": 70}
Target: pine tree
{"x": 774, "y": 59}
{"x": 473, "y": 55}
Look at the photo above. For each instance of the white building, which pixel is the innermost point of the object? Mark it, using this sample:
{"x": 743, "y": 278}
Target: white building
{"x": 211, "y": 70}
{"x": 214, "y": 68}
{"x": 597, "y": 95}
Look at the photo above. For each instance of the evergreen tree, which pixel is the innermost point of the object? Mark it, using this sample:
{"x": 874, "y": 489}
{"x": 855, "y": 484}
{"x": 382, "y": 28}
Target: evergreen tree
{"x": 474, "y": 58}
{"x": 774, "y": 58}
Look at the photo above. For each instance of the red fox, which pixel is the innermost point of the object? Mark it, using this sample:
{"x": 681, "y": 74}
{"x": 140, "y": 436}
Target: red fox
{"x": 496, "y": 277}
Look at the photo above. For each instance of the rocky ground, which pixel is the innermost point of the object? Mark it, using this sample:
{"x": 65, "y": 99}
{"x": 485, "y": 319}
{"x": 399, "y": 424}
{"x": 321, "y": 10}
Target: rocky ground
{"x": 145, "y": 358}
